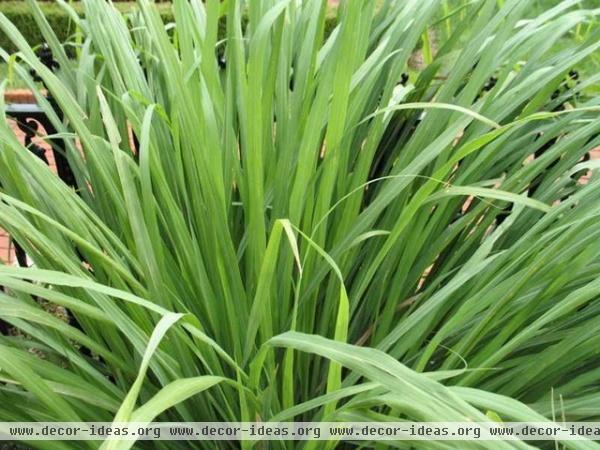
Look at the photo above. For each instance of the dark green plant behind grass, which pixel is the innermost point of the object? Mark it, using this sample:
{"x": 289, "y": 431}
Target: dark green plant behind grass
{"x": 19, "y": 13}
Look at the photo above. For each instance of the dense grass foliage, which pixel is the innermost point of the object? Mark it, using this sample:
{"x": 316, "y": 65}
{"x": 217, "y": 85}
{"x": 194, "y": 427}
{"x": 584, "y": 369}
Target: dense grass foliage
{"x": 297, "y": 235}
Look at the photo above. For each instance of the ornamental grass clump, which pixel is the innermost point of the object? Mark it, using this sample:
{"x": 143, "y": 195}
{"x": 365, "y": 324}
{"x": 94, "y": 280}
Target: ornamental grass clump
{"x": 269, "y": 225}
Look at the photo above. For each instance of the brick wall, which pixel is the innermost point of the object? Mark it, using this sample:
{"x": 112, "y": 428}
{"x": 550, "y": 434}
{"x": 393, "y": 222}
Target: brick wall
{"x": 7, "y": 254}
